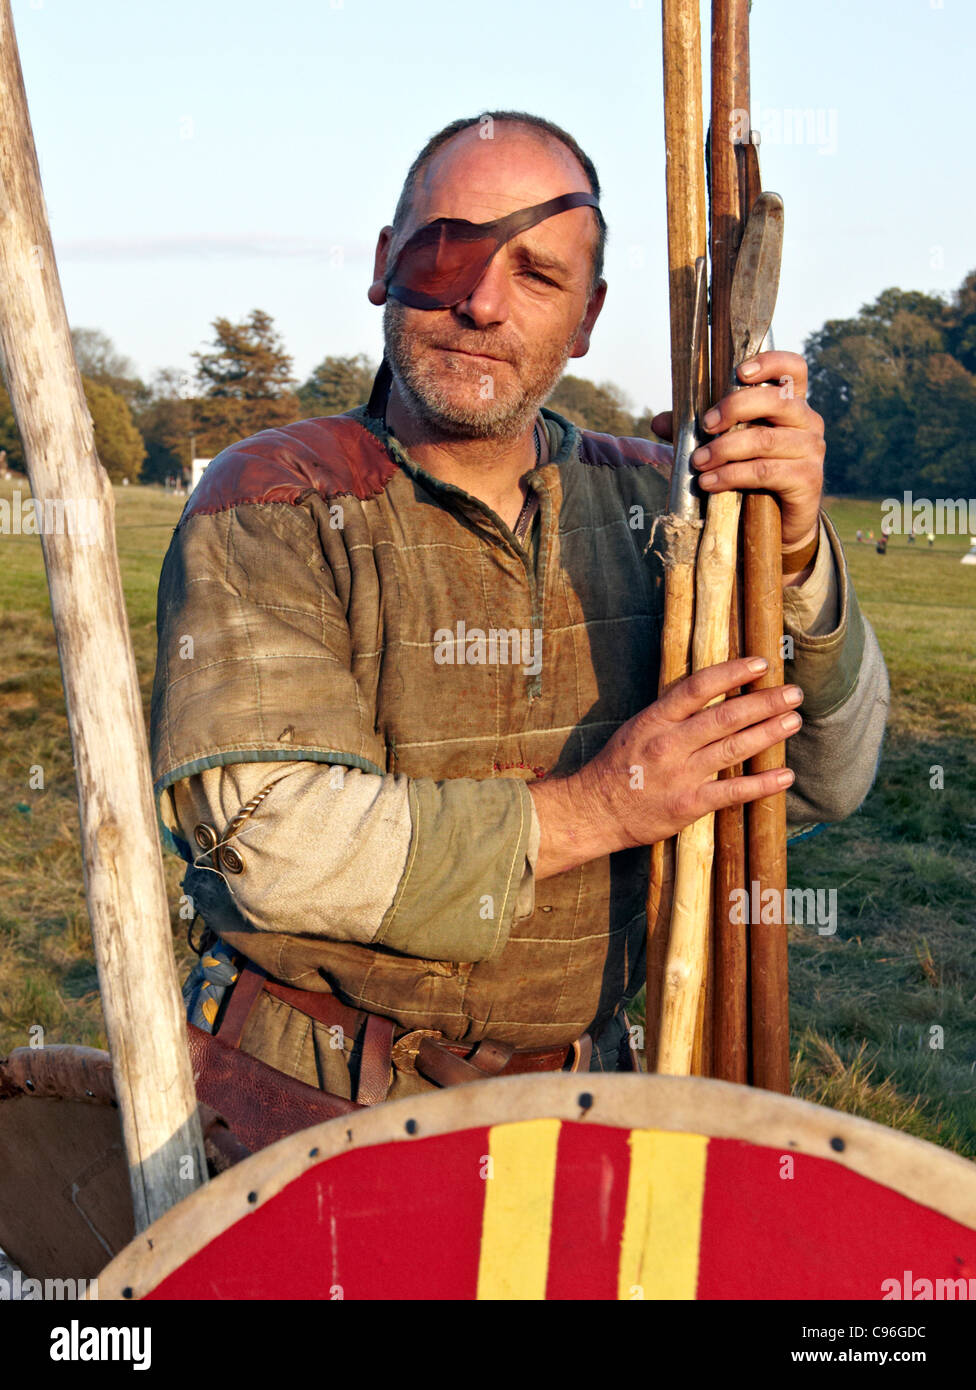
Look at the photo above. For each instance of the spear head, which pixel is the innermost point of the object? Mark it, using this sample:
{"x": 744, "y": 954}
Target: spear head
{"x": 756, "y": 279}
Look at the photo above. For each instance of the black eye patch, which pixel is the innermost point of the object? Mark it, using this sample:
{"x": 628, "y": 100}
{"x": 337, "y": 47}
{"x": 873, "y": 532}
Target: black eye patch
{"x": 443, "y": 261}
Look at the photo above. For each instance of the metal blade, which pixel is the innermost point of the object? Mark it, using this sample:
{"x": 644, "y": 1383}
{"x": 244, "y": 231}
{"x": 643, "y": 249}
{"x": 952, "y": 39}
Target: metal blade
{"x": 683, "y": 501}
{"x": 756, "y": 278}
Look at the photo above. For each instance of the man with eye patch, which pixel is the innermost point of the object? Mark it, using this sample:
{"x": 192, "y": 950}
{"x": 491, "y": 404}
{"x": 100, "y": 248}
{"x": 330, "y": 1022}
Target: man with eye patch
{"x": 416, "y": 758}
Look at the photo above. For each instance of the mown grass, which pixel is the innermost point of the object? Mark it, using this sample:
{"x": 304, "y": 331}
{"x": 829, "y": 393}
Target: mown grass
{"x": 883, "y": 1015}
{"x": 47, "y": 971}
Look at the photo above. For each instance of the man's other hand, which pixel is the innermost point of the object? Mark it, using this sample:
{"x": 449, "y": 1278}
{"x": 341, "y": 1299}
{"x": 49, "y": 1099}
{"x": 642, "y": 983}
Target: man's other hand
{"x": 781, "y": 450}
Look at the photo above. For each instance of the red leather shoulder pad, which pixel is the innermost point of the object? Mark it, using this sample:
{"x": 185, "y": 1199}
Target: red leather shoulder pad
{"x": 609, "y": 451}
{"x": 333, "y": 455}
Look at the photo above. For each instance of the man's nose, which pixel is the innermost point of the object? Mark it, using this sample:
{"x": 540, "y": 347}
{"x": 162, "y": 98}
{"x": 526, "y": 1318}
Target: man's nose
{"x": 487, "y": 303}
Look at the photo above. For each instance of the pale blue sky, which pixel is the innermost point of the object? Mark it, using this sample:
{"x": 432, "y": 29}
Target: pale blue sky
{"x": 205, "y": 157}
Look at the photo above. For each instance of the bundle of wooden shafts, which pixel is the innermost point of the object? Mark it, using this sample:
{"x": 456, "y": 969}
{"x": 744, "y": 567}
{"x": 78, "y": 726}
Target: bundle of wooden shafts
{"x": 717, "y": 987}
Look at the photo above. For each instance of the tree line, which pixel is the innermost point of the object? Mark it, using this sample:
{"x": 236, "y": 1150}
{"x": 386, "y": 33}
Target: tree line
{"x": 895, "y": 385}
{"x": 243, "y": 382}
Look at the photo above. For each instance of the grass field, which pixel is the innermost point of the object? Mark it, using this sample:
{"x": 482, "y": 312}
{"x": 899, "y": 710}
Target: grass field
{"x": 883, "y": 1013}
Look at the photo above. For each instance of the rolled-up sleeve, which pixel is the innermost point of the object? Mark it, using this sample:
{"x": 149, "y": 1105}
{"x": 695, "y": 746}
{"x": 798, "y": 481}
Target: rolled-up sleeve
{"x": 438, "y": 870}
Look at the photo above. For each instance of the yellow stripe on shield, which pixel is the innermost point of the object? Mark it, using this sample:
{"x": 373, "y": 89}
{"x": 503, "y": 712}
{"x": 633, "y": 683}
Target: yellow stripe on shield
{"x": 662, "y": 1223}
{"x": 520, "y": 1178}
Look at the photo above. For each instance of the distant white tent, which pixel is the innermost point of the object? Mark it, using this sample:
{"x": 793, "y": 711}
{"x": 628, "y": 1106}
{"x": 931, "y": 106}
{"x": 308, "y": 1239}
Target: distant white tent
{"x": 198, "y": 466}
{"x": 970, "y": 557}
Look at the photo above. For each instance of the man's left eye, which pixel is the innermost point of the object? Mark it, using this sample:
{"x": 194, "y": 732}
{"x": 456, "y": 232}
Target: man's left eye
{"x": 537, "y": 275}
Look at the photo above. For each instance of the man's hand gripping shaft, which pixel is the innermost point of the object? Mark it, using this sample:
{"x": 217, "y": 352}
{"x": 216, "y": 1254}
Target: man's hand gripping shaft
{"x": 658, "y": 772}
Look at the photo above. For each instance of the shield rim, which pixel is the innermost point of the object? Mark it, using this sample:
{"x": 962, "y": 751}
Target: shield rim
{"x": 924, "y": 1173}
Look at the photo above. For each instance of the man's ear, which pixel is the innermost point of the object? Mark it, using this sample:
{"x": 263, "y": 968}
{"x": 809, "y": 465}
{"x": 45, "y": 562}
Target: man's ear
{"x": 376, "y": 294}
{"x": 582, "y": 344}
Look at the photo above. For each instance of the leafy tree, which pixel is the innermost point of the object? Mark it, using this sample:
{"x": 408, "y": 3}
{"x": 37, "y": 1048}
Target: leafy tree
{"x": 165, "y": 421}
{"x": 98, "y": 360}
{"x": 642, "y": 426}
{"x": 336, "y": 385}
{"x": 119, "y": 443}
{"x": 961, "y": 323}
{"x": 117, "y": 440}
{"x": 217, "y": 423}
{"x": 247, "y": 361}
{"x": 890, "y": 304}
{"x": 246, "y": 382}
{"x": 946, "y": 426}
{"x": 96, "y": 355}
{"x": 896, "y": 401}
{"x": 603, "y": 408}
{"x": 10, "y": 441}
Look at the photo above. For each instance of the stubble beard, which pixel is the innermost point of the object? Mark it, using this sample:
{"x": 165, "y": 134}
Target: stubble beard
{"x": 459, "y": 399}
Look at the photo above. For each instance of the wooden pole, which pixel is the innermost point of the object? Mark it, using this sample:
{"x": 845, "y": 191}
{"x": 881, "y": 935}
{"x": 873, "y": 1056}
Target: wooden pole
{"x": 123, "y": 868}
{"x": 688, "y": 946}
{"x": 685, "y": 177}
{"x": 729, "y": 95}
{"x": 686, "y": 204}
{"x": 765, "y": 819}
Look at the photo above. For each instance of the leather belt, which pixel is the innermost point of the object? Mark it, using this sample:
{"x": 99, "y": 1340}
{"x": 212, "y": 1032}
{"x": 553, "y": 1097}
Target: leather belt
{"x": 451, "y": 1064}
{"x": 438, "y": 1060}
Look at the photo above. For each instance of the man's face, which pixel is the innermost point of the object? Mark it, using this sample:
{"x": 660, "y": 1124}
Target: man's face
{"x": 482, "y": 368}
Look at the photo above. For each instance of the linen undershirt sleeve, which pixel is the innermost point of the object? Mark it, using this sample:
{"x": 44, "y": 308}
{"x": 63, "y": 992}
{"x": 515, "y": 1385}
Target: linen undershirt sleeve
{"x": 434, "y": 870}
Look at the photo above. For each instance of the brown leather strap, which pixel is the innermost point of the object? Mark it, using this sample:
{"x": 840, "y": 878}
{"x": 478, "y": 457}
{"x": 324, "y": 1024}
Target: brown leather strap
{"x": 260, "y": 1104}
{"x": 439, "y": 1062}
{"x": 449, "y": 1064}
{"x": 582, "y": 1053}
{"x": 323, "y": 1008}
{"x": 376, "y": 1061}
{"x": 376, "y": 1051}
{"x": 243, "y": 997}
{"x": 445, "y": 1063}
{"x": 491, "y": 1058}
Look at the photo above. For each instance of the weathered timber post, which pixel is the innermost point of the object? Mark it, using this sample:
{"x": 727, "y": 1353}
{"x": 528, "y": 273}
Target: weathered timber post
{"x": 122, "y": 861}
{"x": 680, "y": 529}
